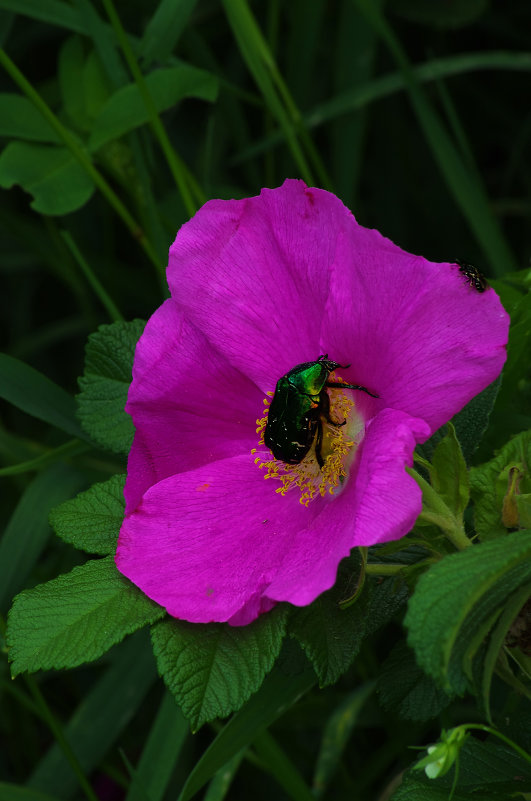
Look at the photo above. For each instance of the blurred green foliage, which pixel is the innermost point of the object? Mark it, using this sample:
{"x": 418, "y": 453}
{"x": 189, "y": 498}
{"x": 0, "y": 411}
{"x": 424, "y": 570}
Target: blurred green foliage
{"x": 117, "y": 121}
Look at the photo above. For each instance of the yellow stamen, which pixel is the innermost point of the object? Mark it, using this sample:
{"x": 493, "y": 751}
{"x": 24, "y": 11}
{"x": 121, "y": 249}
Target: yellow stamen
{"x": 337, "y": 448}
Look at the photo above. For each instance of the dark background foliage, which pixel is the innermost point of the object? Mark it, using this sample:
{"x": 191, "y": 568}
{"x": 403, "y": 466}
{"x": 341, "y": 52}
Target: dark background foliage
{"x": 419, "y": 120}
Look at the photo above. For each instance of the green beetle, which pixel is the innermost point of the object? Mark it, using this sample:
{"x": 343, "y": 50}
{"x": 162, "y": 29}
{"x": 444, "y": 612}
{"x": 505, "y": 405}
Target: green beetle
{"x": 300, "y": 402}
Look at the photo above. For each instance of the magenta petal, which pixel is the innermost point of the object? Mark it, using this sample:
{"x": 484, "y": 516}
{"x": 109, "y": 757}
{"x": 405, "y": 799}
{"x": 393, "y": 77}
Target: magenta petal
{"x": 189, "y": 405}
{"x": 207, "y": 543}
{"x": 258, "y": 286}
{"x": 386, "y": 499}
{"x": 251, "y": 273}
{"x": 414, "y": 331}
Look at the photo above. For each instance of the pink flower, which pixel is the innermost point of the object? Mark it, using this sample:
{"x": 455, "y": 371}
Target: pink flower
{"x": 215, "y": 528}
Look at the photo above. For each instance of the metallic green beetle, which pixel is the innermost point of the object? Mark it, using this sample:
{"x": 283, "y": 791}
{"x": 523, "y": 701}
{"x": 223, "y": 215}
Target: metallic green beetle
{"x": 300, "y": 402}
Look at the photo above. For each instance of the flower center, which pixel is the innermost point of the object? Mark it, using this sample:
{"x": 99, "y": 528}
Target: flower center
{"x": 337, "y": 449}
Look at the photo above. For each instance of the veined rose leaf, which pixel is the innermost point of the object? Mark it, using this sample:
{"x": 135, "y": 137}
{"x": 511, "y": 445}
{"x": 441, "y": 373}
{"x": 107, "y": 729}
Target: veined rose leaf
{"x": 459, "y": 599}
{"x": 91, "y": 521}
{"x": 212, "y": 669}
{"x": 75, "y": 618}
{"x": 105, "y": 383}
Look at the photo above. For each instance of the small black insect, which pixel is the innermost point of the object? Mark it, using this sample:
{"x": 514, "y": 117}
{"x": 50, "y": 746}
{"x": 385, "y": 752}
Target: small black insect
{"x": 300, "y": 402}
{"x": 472, "y": 275}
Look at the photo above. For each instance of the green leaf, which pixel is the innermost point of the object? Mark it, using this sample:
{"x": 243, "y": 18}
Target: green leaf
{"x": 501, "y": 487}
{"x": 125, "y": 110}
{"x": 105, "y": 383}
{"x": 416, "y": 787}
{"x": 92, "y": 520}
{"x": 95, "y": 85}
{"x": 54, "y": 12}
{"x": 449, "y": 476}
{"x": 458, "y": 599}
{"x": 75, "y": 618}
{"x": 70, "y": 74}
{"x": 291, "y": 678}
{"x": 19, "y": 119}
{"x": 336, "y": 734}
{"x": 13, "y": 792}
{"x": 489, "y": 770}
{"x": 439, "y": 13}
{"x": 27, "y": 532}
{"x": 104, "y": 713}
{"x": 472, "y": 421}
{"x": 405, "y": 689}
{"x": 161, "y": 753}
{"x": 164, "y": 29}
{"x": 329, "y": 635}
{"x": 213, "y": 669}
{"x": 31, "y": 391}
{"x": 57, "y": 181}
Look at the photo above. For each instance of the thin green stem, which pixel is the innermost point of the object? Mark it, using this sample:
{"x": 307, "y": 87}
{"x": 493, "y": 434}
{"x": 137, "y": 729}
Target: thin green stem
{"x": 434, "y": 510}
{"x": 55, "y": 728}
{"x": 500, "y": 736}
{"x": 79, "y": 153}
{"x": 71, "y": 448}
{"x": 93, "y": 280}
{"x": 260, "y": 62}
{"x": 383, "y": 569}
{"x": 467, "y": 189}
{"x": 174, "y": 162}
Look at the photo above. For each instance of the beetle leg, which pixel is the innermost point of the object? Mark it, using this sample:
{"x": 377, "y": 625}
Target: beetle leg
{"x": 325, "y": 409}
{"x": 338, "y": 385}
{"x": 318, "y": 444}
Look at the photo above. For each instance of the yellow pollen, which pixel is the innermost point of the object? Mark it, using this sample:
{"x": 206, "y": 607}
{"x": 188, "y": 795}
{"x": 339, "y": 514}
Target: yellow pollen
{"x": 336, "y": 448}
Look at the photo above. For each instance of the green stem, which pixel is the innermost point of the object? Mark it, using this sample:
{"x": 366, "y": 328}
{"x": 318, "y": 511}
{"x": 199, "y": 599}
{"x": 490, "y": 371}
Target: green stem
{"x": 260, "y": 63}
{"x": 496, "y": 733}
{"x": 382, "y": 569}
{"x": 71, "y": 448}
{"x": 81, "y": 155}
{"x": 93, "y": 280}
{"x": 55, "y": 728}
{"x": 434, "y": 510}
{"x": 174, "y": 162}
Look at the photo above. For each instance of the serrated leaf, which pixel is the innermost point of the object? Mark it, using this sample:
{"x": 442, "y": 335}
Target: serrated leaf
{"x": 105, "y": 384}
{"x": 470, "y": 424}
{"x": 212, "y": 669}
{"x": 457, "y": 596}
{"x": 449, "y": 476}
{"x": 497, "y": 486}
{"x": 20, "y": 119}
{"x": 91, "y": 521}
{"x": 473, "y": 420}
{"x": 329, "y": 635}
{"x": 405, "y": 689}
{"x": 419, "y": 788}
{"x": 75, "y": 618}
{"x": 125, "y": 110}
{"x": 291, "y": 678}
{"x": 53, "y": 176}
